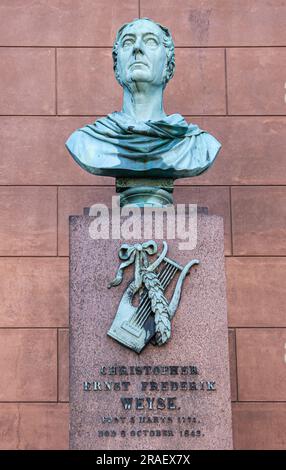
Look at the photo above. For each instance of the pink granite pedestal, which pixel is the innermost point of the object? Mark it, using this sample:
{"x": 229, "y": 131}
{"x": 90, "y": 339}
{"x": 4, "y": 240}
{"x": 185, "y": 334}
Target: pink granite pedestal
{"x": 188, "y": 377}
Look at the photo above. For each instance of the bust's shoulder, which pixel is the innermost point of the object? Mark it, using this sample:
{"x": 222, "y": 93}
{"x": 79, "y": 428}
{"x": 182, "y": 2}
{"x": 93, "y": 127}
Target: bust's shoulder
{"x": 79, "y": 141}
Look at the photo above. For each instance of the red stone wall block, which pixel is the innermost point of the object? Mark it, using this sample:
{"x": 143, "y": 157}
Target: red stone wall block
{"x": 28, "y": 221}
{"x": 221, "y": 22}
{"x": 216, "y": 199}
{"x": 86, "y": 83}
{"x": 28, "y": 364}
{"x": 198, "y": 86}
{"x": 253, "y": 151}
{"x": 63, "y": 23}
{"x": 36, "y": 152}
{"x": 256, "y": 291}
{"x": 34, "y": 292}
{"x": 27, "y": 80}
{"x": 63, "y": 385}
{"x": 256, "y": 79}
{"x": 258, "y": 220}
{"x": 34, "y": 426}
{"x": 261, "y": 362}
{"x": 72, "y": 201}
{"x": 259, "y": 426}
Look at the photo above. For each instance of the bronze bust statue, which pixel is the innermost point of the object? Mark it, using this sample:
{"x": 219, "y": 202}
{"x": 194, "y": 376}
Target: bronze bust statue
{"x": 141, "y": 141}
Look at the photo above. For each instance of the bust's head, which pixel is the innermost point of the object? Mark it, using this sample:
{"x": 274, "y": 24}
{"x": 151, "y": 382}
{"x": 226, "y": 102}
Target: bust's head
{"x": 143, "y": 52}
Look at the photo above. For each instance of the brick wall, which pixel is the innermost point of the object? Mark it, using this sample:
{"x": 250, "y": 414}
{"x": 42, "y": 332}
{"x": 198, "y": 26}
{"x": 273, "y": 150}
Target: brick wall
{"x": 56, "y": 75}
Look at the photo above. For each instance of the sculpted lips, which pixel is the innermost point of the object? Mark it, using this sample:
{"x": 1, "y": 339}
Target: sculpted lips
{"x": 138, "y": 63}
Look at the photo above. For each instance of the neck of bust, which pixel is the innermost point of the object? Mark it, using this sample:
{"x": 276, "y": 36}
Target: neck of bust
{"x": 143, "y": 102}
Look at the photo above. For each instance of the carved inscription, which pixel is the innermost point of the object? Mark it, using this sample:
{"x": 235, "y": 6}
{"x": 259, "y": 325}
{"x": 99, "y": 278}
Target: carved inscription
{"x": 149, "y": 400}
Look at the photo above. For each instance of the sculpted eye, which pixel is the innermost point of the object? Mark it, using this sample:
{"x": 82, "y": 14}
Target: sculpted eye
{"x": 127, "y": 43}
{"x": 151, "y": 42}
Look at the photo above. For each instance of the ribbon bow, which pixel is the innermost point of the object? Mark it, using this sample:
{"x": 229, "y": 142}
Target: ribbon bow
{"x": 134, "y": 253}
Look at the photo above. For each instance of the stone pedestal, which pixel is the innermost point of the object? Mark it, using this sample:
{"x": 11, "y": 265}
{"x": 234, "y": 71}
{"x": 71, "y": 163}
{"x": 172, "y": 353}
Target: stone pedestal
{"x": 178, "y": 393}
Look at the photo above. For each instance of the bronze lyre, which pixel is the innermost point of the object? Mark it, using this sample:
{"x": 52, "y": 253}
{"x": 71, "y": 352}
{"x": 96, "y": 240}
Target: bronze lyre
{"x": 135, "y": 326}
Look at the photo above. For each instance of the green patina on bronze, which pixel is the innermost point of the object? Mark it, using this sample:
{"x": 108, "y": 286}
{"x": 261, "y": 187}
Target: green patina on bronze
{"x": 141, "y": 141}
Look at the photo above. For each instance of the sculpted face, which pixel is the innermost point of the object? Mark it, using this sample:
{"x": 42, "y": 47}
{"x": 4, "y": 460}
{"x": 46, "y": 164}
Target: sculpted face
{"x": 141, "y": 54}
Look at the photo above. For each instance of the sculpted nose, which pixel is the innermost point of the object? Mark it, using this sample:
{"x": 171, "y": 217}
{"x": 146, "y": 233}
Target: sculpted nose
{"x": 137, "y": 48}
